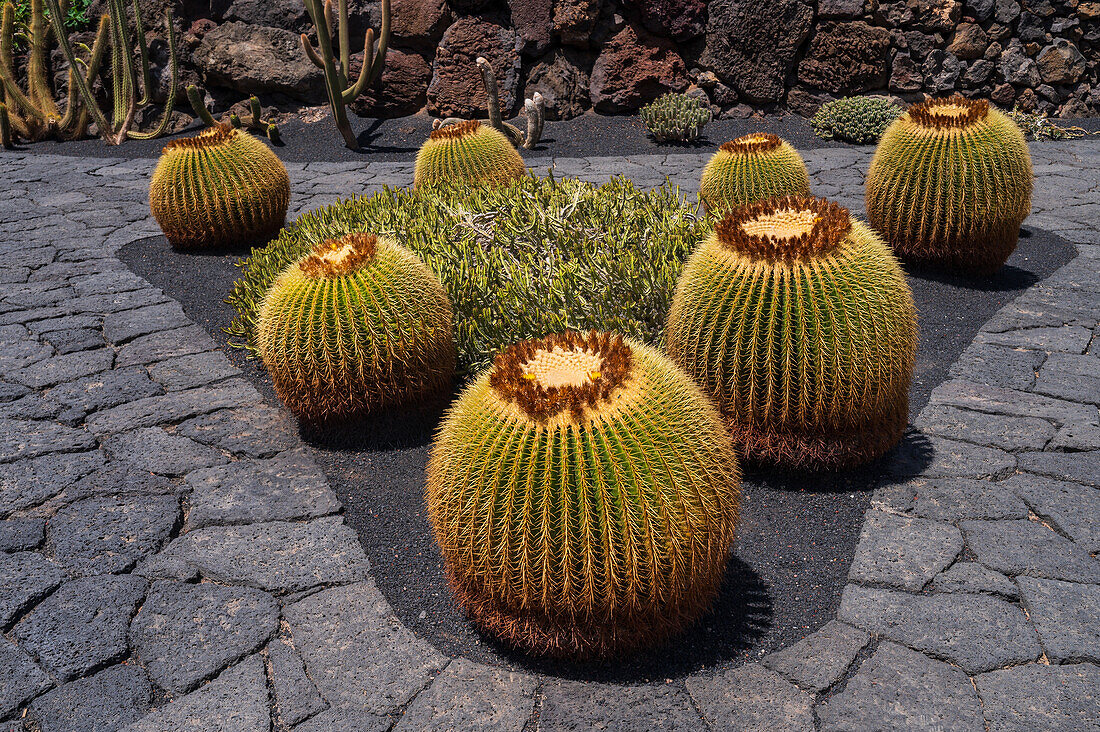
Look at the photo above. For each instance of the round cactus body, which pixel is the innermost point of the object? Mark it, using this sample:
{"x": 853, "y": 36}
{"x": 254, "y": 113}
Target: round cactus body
{"x": 950, "y": 185}
{"x": 584, "y": 493}
{"x": 800, "y": 323}
{"x": 752, "y": 168}
{"x": 356, "y": 326}
{"x": 467, "y": 151}
{"x": 221, "y": 188}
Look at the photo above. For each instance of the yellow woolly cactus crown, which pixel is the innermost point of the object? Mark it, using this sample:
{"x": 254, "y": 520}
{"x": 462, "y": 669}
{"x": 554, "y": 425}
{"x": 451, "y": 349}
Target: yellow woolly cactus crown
{"x": 950, "y": 184}
{"x": 752, "y": 168}
{"x": 467, "y": 151}
{"x": 799, "y": 322}
{"x": 221, "y": 188}
{"x": 584, "y": 494}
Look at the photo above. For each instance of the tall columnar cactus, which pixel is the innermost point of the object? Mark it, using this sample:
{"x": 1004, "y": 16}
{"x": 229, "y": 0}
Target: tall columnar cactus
{"x": 533, "y": 109}
{"x": 356, "y": 326}
{"x": 752, "y": 168}
{"x": 467, "y": 151}
{"x": 950, "y": 185}
{"x": 341, "y": 91}
{"x": 798, "y": 320}
{"x": 221, "y": 188}
{"x": 584, "y": 494}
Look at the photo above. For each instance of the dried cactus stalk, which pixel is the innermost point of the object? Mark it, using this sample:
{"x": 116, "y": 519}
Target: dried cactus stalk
{"x": 950, "y": 184}
{"x": 467, "y": 151}
{"x": 752, "y": 168}
{"x": 354, "y": 327}
{"x": 584, "y": 494}
{"x": 800, "y": 323}
{"x": 221, "y": 188}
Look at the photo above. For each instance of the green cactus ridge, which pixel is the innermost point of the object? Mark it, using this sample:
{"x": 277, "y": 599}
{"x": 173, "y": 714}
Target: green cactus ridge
{"x": 221, "y": 188}
{"x": 752, "y": 168}
{"x": 800, "y": 323}
{"x": 950, "y": 185}
{"x": 675, "y": 118}
{"x": 584, "y": 493}
{"x": 354, "y": 327}
{"x": 470, "y": 152}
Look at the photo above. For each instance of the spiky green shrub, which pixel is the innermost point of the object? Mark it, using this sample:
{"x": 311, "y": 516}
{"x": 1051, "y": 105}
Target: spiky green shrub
{"x": 357, "y": 325}
{"x": 950, "y": 185}
{"x": 584, "y": 494}
{"x": 798, "y": 320}
{"x": 531, "y": 257}
{"x": 675, "y": 118}
{"x": 859, "y": 120}
{"x": 467, "y": 152}
{"x": 751, "y": 168}
{"x": 221, "y": 188}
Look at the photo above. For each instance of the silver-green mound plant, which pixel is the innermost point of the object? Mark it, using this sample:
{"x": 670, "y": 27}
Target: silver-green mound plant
{"x": 675, "y": 118}
{"x": 859, "y": 120}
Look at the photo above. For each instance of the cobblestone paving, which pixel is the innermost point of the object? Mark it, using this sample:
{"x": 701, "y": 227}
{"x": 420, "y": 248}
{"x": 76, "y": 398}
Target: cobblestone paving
{"x": 172, "y": 559}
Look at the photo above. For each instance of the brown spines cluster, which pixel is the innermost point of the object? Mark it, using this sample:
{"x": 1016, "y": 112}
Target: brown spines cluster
{"x": 514, "y": 383}
{"x": 757, "y": 142}
{"x": 219, "y": 134}
{"x": 954, "y": 112}
{"x": 456, "y": 131}
{"x": 785, "y": 229}
{"x": 337, "y": 257}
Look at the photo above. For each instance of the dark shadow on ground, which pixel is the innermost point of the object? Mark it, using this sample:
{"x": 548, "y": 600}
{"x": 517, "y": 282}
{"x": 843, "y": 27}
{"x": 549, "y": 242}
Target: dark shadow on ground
{"x": 797, "y": 533}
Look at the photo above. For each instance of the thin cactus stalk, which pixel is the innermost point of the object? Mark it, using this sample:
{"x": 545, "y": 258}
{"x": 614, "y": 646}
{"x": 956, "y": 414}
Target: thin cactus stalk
{"x": 255, "y": 122}
{"x": 340, "y": 91}
{"x": 533, "y": 109}
{"x": 5, "y": 128}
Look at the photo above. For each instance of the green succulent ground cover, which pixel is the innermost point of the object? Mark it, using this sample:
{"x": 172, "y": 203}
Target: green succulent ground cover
{"x": 675, "y": 118}
{"x": 859, "y": 120}
{"x": 76, "y": 13}
{"x": 522, "y": 260}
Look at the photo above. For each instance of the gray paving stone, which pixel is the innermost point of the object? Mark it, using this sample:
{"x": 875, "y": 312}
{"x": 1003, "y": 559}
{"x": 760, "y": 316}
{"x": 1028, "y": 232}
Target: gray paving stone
{"x": 575, "y": 705}
{"x": 1028, "y": 547}
{"x": 74, "y": 340}
{"x": 1078, "y": 467}
{"x": 82, "y": 625}
{"x": 22, "y": 534}
{"x": 108, "y": 389}
{"x": 1066, "y": 339}
{"x": 287, "y": 487}
{"x": 163, "y": 345}
{"x": 1040, "y": 697}
{"x": 1011, "y": 402}
{"x": 899, "y": 689}
{"x": 993, "y": 430}
{"x": 1065, "y": 615}
{"x": 188, "y": 372}
{"x": 1072, "y": 437}
{"x": 66, "y": 367}
{"x": 295, "y": 694}
{"x": 973, "y": 578}
{"x": 256, "y": 431}
{"x": 122, "y": 327}
{"x": 20, "y": 678}
{"x": 899, "y": 551}
{"x": 935, "y": 457}
{"x": 752, "y": 698}
{"x": 107, "y": 700}
{"x": 1072, "y": 377}
{"x": 11, "y": 392}
{"x": 1008, "y": 368}
{"x": 32, "y": 407}
{"x": 185, "y": 634}
{"x": 278, "y": 557}
{"x": 156, "y": 451}
{"x": 25, "y": 439}
{"x": 1072, "y": 508}
{"x": 976, "y": 632}
{"x": 109, "y": 534}
{"x": 346, "y": 720}
{"x": 173, "y": 407}
{"x": 236, "y": 701}
{"x": 951, "y": 499}
{"x": 357, "y": 652}
{"x": 30, "y": 482}
{"x": 470, "y": 696}
{"x": 25, "y": 578}
{"x": 819, "y": 660}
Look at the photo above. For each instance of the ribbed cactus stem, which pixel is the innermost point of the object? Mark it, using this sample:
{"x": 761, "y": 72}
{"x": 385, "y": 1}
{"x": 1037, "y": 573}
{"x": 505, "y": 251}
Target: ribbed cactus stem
{"x": 194, "y": 96}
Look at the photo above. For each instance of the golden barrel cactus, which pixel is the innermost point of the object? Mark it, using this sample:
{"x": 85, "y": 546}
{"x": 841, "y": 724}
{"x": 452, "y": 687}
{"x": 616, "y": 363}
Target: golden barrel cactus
{"x": 469, "y": 152}
{"x": 584, "y": 493}
{"x": 221, "y": 188}
{"x": 752, "y": 168}
{"x": 798, "y": 320}
{"x": 950, "y": 184}
{"x": 356, "y": 326}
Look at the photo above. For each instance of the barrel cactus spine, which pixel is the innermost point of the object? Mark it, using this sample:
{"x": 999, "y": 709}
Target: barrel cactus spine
{"x": 220, "y": 188}
{"x": 584, "y": 493}
{"x": 752, "y": 168}
{"x": 356, "y": 326}
{"x": 798, "y": 320}
{"x": 950, "y": 184}
{"x": 470, "y": 152}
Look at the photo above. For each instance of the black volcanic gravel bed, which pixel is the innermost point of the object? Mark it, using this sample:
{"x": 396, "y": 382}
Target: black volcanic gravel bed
{"x": 797, "y": 535}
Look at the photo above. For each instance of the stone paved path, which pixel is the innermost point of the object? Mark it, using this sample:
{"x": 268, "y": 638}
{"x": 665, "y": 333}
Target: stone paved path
{"x": 172, "y": 559}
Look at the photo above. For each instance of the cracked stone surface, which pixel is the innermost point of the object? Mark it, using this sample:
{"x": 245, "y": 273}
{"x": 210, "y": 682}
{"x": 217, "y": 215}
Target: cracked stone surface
{"x": 1037, "y": 696}
{"x": 574, "y": 705}
{"x": 109, "y": 534}
{"x": 818, "y": 661}
{"x": 898, "y": 551}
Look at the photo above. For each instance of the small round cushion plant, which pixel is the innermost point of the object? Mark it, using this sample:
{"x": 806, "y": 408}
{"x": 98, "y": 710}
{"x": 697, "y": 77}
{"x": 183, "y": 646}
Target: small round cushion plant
{"x": 950, "y": 185}
{"x": 675, "y": 117}
{"x": 469, "y": 152}
{"x": 751, "y": 168}
{"x": 798, "y": 320}
{"x": 584, "y": 493}
{"x": 355, "y": 326}
{"x": 220, "y": 188}
{"x": 859, "y": 120}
